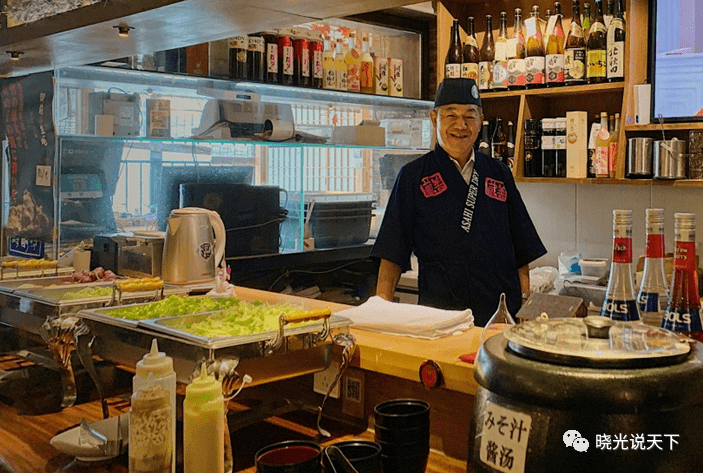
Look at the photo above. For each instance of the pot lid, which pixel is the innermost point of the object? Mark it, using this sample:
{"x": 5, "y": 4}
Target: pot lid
{"x": 596, "y": 341}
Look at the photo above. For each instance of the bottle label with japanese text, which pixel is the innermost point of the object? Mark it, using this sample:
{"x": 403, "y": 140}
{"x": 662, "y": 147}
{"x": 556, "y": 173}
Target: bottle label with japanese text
{"x": 257, "y": 44}
{"x": 620, "y": 310}
{"x": 305, "y": 62}
{"x": 469, "y": 70}
{"x": 596, "y": 65}
{"x": 317, "y": 71}
{"x": 616, "y": 59}
{"x": 517, "y": 72}
{"x": 272, "y": 58}
{"x": 288, "y": 60}
{"x": 452, "y": 71}
{"x": 554, "y": 64}
{"x": 534, "y": 67}
{"x": 366, "y": 75}
{"x": 500, "y": 74}
{"x": 574, "y": 65}
{"x": 600, "y": 160}
{"x": 485, "y": 75}
{"x": 381, "y": 73}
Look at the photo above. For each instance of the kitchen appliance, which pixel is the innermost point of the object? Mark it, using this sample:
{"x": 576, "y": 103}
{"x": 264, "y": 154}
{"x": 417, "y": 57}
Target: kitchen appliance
{"x": 639, "y": 157}
{"x": 670, "y": 159}
{"x": 567, "y": 386}
{"x": 245, "y": 116}
{"x": 252, "y": 215}
{"x": 191, "y": 255}
{"x": 85, "y": 204}
{"x": 135, "y": 254}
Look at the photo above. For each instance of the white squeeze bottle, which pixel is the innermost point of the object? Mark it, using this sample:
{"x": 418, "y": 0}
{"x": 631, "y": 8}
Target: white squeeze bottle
{"x": 160, "y": 367}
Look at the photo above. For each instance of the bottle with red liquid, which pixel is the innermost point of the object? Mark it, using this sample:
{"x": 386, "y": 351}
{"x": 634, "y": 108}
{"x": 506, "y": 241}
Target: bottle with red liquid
{"x": 620, "y": 302}
{"x": 683, "y": 311}
{"x": 286, "y": 71}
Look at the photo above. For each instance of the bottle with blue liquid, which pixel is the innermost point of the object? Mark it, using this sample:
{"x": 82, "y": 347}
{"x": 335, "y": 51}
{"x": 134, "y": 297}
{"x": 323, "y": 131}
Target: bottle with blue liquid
{"x": 620, "y": 302}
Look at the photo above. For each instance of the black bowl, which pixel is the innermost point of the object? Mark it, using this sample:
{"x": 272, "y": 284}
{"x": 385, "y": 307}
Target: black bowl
{"x": 402, "y": 413}
{"x": 364, "y": 455}
{"x": 404, "y": 449}
{"x": 292, "y": 456}
{"x": 415, "y": 434}
{"x": 414, "y": 464}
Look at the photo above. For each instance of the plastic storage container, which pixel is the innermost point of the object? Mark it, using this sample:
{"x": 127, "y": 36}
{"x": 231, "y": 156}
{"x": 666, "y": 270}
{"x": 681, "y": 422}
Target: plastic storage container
{"x": 596, "y": 267}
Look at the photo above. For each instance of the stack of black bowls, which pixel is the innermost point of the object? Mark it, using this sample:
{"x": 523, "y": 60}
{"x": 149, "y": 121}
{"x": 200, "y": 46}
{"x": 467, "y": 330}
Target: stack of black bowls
{"x": 402, "y": 429}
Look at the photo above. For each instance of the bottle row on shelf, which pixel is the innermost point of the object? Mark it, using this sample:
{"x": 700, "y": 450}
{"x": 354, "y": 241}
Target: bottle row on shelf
{"x": 675, "y": 307}
{"x": 308, "y": 58}
{"x": 494, "y": 142}
{"x": 563, "y": 147}
{"x": 539, "y": 53}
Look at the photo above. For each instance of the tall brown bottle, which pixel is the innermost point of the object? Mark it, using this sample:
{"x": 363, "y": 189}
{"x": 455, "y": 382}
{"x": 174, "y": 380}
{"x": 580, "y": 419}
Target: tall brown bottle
{"x": 575, "y": 50}
{"x": 597, "y": 47}
{"x": 516, "y": 54}
{"x": 534, "y": 62}
{"x": 469, "y": 66}
{"x": 486, "y": 56}
{"x": 500, "y": 59}
{"x": 554, "y": 58}
{"x": 455, "y": 55}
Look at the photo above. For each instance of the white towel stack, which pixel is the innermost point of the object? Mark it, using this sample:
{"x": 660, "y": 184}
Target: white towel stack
{"x": 379, "y": 315}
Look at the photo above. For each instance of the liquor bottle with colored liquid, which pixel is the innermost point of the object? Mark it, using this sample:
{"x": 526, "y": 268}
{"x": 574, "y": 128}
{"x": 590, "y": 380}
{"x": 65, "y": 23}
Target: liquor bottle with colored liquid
{"x": 516, "y": 54}
{"x": 455, "y": 55}
{"x": 575, "y": 50}
{"x": 683, "y": 310}
{"x": 487, "y": 54}
{"x": 596, "y": 60}
{"x": 613, "y": 147}
{"x": 654, "y": 292}
{"x": 601, "y": 156}
{"x": 500, "y": 58}
{"x": 366, "y": 78}
{"x": 534, "y": 62}
{"x": 554, "y": 59}
{"x": 340, "y": 66}
{"x": 353, "y": 61}
{"x": 329, "y": 80}
{"x": 620, "y": 302}
{"x": 470, "y": 59}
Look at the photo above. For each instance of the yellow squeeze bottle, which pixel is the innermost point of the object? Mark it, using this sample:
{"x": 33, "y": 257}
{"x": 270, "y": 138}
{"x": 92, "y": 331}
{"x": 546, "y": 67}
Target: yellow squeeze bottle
{"x": 203, "y": 425}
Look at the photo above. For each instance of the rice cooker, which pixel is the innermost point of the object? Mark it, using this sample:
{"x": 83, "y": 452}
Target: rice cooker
{"x": 587, "y": 395}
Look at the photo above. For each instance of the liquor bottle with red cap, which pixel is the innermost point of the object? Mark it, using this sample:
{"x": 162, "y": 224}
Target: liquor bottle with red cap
{"x": 654, "y": 293}
{"x": 683, "y": 310}
{"x": 620, "y": 302}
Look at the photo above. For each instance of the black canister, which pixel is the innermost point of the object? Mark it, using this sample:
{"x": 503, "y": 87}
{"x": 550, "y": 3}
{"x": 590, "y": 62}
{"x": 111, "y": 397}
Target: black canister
{"x": 533, "y": 147}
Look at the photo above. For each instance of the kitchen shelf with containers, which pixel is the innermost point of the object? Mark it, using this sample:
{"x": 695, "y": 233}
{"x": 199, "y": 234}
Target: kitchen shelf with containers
{"x": 285, "y": 167}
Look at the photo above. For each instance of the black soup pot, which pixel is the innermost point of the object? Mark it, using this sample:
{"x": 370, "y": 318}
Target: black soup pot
{"x": 292, "y": 456}
{"x": 626, "y": 400}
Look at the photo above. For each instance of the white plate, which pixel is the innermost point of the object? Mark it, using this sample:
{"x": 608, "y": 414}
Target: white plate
{"x": 68, "y": 442}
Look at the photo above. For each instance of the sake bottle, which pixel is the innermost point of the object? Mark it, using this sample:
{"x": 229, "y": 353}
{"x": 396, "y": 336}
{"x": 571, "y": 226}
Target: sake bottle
{"x": 329, "y": 73}
{"x": 470, "y": 56}
{"x": 554, "y": 59}
{"x": 455, "y": 56}
{"x": 340, "y": 66}
{"x": 534, "y": 62}
{"x": 487, "y": 54}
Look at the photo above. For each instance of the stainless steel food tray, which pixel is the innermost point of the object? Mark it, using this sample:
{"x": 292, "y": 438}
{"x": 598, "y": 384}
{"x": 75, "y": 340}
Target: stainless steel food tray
{"x": 27, "y": 309}
{"x": 300, "y": 352}
{"x": 10, "y": 286}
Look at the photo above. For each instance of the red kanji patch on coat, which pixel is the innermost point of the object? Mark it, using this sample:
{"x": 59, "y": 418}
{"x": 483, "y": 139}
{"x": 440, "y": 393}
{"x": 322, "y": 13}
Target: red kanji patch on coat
{"x": 496, "y": 190}
{"x": 432, "y": 185}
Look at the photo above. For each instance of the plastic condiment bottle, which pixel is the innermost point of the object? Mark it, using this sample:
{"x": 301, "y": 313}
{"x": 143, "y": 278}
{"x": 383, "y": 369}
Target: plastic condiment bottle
{"x": 157, "y": 368}
{"x": 203, "y": 425}
{"x": 151, "y": 431}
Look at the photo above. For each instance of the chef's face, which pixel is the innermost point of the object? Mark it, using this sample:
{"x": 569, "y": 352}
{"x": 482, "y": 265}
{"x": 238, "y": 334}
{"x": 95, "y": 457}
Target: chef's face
{"x": 457, "y": 128}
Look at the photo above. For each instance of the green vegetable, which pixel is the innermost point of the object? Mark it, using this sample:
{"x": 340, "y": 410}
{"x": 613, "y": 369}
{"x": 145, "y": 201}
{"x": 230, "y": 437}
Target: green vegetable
{"x": 87, "y": 293}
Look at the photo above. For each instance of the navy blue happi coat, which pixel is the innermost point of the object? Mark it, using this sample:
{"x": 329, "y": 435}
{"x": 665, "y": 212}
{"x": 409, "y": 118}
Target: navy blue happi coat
{"x": 470, "y": 239}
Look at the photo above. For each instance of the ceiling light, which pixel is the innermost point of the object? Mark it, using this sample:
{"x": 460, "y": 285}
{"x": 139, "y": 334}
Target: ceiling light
{"x": 14, "y": 55}
{"x": 123, "y": 30}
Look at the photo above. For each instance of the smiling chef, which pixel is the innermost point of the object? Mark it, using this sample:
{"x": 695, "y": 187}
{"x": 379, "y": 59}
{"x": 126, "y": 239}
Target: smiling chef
{"x": 461, "y": 214}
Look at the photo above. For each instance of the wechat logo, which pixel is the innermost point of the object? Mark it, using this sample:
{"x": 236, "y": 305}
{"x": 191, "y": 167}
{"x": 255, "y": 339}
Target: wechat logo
{"x": 572, "y": 438}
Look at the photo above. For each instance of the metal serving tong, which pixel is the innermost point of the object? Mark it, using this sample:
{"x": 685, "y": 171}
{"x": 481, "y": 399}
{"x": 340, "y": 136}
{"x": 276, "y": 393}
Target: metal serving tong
{"x": 347, "y": 341}
{"x": 333, "y": 453}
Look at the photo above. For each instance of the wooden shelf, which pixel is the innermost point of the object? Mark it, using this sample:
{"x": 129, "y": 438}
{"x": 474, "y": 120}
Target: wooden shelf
{"x": 559, "y": 91}
{"x": 616, "y": 182}
{"x": 667, "y": 126}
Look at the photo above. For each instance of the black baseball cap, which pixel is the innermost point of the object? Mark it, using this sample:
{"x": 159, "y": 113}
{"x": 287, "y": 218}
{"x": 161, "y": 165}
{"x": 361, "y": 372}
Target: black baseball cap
{"x": 459, "y": 91}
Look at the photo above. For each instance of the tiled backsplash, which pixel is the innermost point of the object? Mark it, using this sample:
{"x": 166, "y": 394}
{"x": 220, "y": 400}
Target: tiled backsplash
{"x": 579, "y": 217}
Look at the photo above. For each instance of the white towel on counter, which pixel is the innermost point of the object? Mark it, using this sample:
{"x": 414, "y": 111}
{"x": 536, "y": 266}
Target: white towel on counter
{"x": 380, "y": 315}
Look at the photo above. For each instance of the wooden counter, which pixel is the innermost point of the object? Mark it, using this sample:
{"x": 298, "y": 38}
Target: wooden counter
{"x": 385, "y": 366}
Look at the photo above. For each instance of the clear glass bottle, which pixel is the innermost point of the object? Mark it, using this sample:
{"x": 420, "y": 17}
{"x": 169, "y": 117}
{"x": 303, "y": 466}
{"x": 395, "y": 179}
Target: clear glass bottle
{"x": 516, "y": 54}
{"x": 620, "y": 302}
{"x": 654, "y": 293}
{"x": 683, "y": 310}
{"x": 499, "y": 322}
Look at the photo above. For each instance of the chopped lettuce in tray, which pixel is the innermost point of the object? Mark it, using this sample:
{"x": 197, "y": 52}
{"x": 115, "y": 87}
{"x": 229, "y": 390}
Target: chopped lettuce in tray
{"x": 87, "y": 293}
{"x": 230, "y": 317}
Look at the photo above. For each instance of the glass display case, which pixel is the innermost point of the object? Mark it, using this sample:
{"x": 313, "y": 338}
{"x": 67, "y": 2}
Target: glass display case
{"x": 284, "y": 166}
